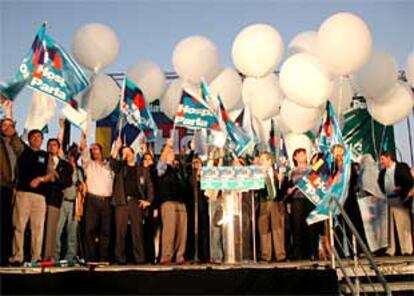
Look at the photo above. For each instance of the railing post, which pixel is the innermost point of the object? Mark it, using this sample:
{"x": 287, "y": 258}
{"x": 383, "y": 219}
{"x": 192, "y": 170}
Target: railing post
{"x": 331, "y": 233}
{"x": 354, "y": 250}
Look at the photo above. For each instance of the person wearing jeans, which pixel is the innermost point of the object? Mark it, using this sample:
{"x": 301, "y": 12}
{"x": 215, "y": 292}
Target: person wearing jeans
{"x": 67, "y": 211}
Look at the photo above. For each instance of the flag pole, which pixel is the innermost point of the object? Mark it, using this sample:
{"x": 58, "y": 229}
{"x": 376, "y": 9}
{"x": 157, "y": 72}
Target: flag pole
{"x": 121, "y": 100}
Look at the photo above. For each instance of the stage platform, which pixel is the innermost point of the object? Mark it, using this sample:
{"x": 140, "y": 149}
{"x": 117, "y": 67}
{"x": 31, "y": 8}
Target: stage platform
{"x": 298, "y": 277}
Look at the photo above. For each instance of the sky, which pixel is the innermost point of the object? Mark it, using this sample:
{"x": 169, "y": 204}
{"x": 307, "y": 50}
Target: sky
{"x": 151, "y": 29}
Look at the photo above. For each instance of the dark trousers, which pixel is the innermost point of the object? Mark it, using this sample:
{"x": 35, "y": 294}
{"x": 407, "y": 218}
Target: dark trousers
{"x": 97, "y": 224}
{"x": 247, "y": 226}
{"x": 134, "y": 214}
{"x": 6, "y": 227}
{"x": 203, "y": 229}
{"x": 305, "y": 237}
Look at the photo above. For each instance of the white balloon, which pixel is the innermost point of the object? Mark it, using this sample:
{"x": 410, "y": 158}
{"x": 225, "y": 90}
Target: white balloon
{"x": 194, "y": 58}
{"x": 95, "y": 46}
{"x": 378, "y": 75}
{"x": 281, "y": 125}
{"x": 103, "y": 97}
{"x": 344, "y": 43}
{"x": 171, "y": 98}
{"x": 263, "y": 95}
{"x": 235, "y": 113}
{"x": 295, "y": 141}
{"x": 257, "y": 50}
{"x": 216, "y": 71}
{"x": 304, "y": 42}
{"x": 396, "y": 105}
{"x": 342, "y": 94}
{"x": 409, "y": 69}
{"x": 228, "y": 85}
{"x": 305, "y": 80}
{"x": 299, "y": 119}
{"x": 262, "y": 129}
{"x": 149, "y": 77}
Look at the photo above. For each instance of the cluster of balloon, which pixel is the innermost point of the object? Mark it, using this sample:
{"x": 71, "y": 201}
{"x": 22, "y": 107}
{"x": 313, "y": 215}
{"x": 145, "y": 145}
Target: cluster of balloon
{"x": 150, "y": 78}
{"x": 389, "y": 101}
{"x": 96, "y": 46}
{"x": 257, "y": 51}
{"x": 196, "y": 59}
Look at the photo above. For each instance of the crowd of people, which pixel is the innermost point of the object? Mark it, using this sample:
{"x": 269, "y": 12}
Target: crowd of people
{"x": 120, "y": 210}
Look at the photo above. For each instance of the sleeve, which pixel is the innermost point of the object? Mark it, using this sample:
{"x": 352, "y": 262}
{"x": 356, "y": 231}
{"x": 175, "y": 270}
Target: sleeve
{"x": 17, "y": 144}
{"x": 405, "y": 179}
{"x": 85, "y": 158}
{"x": 161, "y": 168}
{"x": 115, "y": 165}
{"x": 65, "y": 175}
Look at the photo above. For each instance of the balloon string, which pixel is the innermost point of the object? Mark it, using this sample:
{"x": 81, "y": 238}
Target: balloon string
{"x": 373, "y": 138}
{"x": 340, "y": 99}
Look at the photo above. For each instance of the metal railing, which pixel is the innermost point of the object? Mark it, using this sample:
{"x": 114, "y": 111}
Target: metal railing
{"x": 341, "y": 245}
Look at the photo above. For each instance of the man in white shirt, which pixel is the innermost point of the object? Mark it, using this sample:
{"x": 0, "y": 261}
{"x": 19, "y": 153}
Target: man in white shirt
{"x": 99, "y": 181}
{"x": 395, "y": 181}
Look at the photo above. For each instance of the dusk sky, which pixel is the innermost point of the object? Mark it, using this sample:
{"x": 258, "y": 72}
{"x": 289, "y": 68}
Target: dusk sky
{"x": 151, "y": 29}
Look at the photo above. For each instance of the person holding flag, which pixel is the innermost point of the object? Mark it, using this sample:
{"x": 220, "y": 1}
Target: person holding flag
{"x": 305, "y": 237}
{"x": 133, "y": 192}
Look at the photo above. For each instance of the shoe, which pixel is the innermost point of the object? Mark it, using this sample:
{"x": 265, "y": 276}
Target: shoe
{"x": 165, "y": 262}
{"x": 16, "y": 264}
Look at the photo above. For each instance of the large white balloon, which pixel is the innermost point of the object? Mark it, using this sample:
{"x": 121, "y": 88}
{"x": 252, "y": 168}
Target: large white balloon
{"x": 304, "y": 42}
{"x": 216, "y": 71}
{"x": 396, "y": 105}
{"x": 305, "y": 80}
{"x": 171, "y": 98}
{"x": 95, "y": 46}
{"x": 378, "y": 75}
{"x": 299, "y": 119}
{"x": 149, "y": 77}
{"x": 194, "y": 58}
{"x": 228, "y": 85}
{"x": 342, "y": 94}
{"x": 344, "y": 43}
{"x": 409, "y": 69}
{"x": 257, "y": 50}
{"x": 103, "y": 97}
{"x": 263, "y": 95}
{"x": 262, "y": 129}
{"x": 296, "y": 141}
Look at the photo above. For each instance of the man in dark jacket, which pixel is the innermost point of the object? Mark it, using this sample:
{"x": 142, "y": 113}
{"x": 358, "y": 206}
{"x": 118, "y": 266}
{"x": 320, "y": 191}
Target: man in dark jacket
{"x": 33, "y": 172}
{"x": 133, "y": 192}
{"x": 54, "y": 194}
{"x": 173, "y": 210}
{"x": 10, "y": 147}
{"x": 395, "y": 181}
{"x": 271, "y": 220}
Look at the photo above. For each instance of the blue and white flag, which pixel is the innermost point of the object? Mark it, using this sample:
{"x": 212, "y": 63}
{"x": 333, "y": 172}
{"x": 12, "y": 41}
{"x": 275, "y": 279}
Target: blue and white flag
{"x": 194, "y": 113}
{"x": 239, "y": 141}
{"x": 137, "y": 112}
{"x": 323, "y": 182}
{"x": 47, "y": 68}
